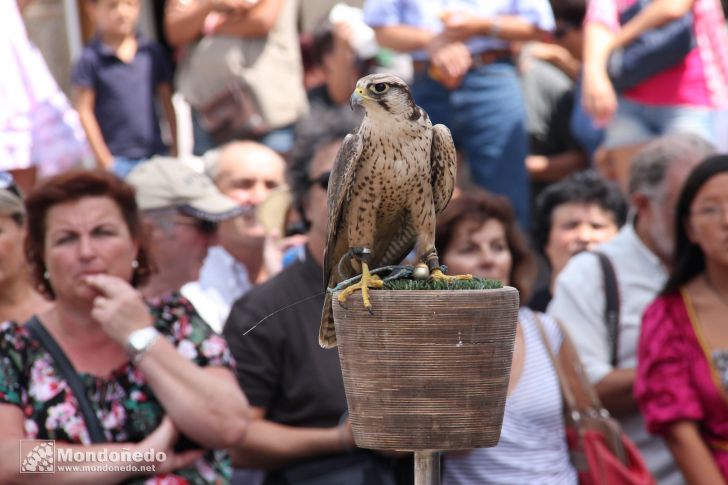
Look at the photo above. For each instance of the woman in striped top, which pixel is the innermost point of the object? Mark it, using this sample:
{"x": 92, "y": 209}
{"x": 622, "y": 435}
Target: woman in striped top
{"x": 477, "y": 234}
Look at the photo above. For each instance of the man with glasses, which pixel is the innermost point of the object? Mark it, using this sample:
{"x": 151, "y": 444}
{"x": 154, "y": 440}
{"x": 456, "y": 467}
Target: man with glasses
{"x": 181, "y": 209}
{"x": 295, "y": 388}
{"x": 554, "y": 107}
{"x": 640, "y": 255}
{"x": 550, "y": 72}
{"x": 569, "y": 35}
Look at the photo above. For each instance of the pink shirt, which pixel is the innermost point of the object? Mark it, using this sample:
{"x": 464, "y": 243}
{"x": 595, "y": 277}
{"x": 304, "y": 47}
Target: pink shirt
{"x": 701, "y": 78}
{"x": 676, "y": 379}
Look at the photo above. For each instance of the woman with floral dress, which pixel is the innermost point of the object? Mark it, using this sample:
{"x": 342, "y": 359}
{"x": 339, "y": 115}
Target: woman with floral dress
{"x": 152, "y": 372}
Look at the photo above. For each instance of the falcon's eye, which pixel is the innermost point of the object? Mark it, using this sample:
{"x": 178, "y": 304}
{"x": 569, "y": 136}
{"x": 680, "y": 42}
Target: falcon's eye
{"x": 379, "y": 88}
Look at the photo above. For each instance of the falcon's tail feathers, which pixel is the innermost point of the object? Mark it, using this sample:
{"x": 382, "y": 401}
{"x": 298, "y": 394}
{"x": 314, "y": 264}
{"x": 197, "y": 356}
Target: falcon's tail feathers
{"x": 327, "y": 331}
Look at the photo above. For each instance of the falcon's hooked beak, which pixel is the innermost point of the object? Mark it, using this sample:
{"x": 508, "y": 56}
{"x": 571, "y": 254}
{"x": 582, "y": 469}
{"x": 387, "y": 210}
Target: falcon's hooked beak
{"x": 357, "y": 97}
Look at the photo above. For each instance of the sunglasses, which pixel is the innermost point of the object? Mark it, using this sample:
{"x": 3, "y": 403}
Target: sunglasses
{"x": 7, "y": 182}
{"x": 295, "y": 228}
{"x": 322, "y": 180}
{"x": 205, "y": 227}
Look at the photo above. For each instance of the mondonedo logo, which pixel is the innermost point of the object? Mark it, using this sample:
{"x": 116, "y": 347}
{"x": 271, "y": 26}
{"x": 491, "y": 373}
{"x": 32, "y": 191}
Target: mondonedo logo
{"x": 43, "y": 456}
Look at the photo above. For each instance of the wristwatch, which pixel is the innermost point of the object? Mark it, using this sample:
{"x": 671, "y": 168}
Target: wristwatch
{"x": 139, "y": 342}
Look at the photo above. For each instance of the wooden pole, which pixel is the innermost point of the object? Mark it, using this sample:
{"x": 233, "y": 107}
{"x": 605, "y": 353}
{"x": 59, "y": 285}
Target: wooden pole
{"x": 427, "y": 467}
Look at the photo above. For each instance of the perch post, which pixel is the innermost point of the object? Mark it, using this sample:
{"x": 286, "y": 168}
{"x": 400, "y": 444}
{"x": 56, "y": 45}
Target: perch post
{"x": 428, "y": 370}
{"x": 427, "y": 467}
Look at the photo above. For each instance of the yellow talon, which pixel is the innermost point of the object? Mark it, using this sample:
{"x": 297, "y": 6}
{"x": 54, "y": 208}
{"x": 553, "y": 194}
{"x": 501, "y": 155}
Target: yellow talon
{"x": 437, "y": 274}
{"x": 367, "y": 281}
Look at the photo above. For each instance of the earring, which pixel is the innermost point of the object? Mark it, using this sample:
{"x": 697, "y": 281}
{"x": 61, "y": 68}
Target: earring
{"x": 134, "y": 264}
{"x": 46, "y": 275}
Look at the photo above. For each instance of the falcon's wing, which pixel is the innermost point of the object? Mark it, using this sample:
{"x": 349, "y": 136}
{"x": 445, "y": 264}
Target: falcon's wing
{"x": 443, "y": 158}
{"x": 341, "y": 181}
{"x": 394, "y": 241}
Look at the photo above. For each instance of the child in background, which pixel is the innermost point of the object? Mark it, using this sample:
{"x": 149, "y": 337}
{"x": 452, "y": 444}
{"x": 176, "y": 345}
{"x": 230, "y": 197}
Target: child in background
{"x": 116, "y": 81}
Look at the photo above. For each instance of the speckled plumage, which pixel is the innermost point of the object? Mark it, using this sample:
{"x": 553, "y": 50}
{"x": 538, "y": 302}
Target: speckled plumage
{"x": 391, "y": 177}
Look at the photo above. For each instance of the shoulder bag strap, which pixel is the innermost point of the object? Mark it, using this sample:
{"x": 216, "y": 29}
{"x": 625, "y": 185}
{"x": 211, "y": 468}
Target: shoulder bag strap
{"x": 579, "y": 394}
{"x": 69, "y": 374}
{"x": 611, "y": 307}
{"x": 588, "y": 403}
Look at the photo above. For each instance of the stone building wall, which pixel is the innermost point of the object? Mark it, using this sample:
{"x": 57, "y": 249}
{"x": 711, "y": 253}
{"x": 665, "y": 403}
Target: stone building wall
{"x": 46, "y": 24}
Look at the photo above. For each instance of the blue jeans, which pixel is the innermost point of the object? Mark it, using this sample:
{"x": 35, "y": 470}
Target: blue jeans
{"x": 636, "y": 123}
{"x": 123, "y": 165}
{"x": 487, "y": 117}
{"x": 583, "y": 129}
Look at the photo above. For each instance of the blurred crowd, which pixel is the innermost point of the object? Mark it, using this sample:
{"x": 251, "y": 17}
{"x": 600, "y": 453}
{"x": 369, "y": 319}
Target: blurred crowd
{"x": 185, "y": 286}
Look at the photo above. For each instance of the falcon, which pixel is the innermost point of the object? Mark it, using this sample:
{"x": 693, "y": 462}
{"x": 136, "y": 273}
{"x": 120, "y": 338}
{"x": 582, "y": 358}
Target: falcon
{"x": 390, "y": 179}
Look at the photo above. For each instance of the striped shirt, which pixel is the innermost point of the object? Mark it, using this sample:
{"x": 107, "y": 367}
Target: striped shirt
{"x": 532, "y": 447}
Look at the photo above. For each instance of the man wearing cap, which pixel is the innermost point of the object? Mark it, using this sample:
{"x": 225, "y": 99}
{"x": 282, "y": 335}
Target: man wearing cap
{"x": 247, "y": 172}
{"x": 181, "y": 209}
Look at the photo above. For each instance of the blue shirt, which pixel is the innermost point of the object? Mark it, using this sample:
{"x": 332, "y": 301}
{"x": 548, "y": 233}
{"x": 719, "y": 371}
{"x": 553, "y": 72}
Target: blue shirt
{"x": 425, "y": 14}
{"x": 125, "y": 105}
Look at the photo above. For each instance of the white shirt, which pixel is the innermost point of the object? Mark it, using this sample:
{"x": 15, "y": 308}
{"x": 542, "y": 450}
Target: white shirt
{"x": 223, "y": 279}
{"x": 579, "y": 303}
{"x": 532, "y": 447}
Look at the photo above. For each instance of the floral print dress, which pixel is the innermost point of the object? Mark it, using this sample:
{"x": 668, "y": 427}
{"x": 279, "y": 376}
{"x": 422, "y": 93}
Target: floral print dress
{"x": 124, "y": 403}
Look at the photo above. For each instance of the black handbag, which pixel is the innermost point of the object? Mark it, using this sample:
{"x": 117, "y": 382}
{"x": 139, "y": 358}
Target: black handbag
{"x": 651, "y": 53}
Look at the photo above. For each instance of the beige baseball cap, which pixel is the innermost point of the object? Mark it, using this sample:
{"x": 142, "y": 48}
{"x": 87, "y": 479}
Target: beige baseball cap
{"x": 165, "y": 182}
{"x": 11, "y": 199}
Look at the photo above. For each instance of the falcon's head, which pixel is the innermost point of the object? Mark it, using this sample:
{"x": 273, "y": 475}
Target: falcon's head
{"x": 384, "y": 94}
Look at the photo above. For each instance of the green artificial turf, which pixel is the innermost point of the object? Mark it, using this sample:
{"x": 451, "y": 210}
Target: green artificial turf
{"x": 410, "y": 284}
{"x": 400, "y": 278}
